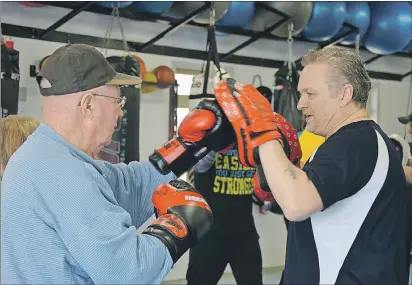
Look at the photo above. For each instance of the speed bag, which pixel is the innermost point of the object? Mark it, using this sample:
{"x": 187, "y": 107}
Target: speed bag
{"x": 10, "y": 81}
{"x": 125, "y": 140}
{"x": 287, "y": 98}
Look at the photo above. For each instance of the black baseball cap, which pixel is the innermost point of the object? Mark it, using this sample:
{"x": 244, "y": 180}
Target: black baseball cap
{"x": 405, "y": 120}
{"x": 79, "y": 67}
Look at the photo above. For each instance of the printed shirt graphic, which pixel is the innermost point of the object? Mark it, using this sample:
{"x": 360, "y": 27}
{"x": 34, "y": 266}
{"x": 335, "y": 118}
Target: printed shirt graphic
{"x": 228, "y": 186}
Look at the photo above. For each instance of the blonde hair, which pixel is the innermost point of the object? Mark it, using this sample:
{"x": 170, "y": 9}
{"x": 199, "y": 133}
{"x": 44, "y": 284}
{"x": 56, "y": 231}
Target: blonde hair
{"x": 347, "y": 68}
{"x": 14, "y": 130}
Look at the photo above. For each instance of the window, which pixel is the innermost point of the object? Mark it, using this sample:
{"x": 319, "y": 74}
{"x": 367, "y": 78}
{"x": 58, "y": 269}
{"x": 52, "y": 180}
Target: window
{"x": 183, "y": 91}
{"x": 185, "y": 83}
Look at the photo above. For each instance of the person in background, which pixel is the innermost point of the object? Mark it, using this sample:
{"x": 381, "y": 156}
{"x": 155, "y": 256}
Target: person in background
{"x": 233, "y": 239}
{"x": 407, "y": 120}
{"x": 14, "y": 130}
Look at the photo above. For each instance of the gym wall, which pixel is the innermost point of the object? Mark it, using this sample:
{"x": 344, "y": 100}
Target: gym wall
{"x": 154, "y": 114}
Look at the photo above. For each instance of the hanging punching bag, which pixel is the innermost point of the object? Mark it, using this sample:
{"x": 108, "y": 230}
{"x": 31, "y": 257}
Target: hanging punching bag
{"x": 10, "y": 81}
{"x": 286, "y": 96}
{"x": 125, "y": 141}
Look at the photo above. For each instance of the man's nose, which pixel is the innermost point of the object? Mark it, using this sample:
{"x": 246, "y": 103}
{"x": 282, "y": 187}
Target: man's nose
{"x": 121, "y": 113}
{"x": 301, "y": 103}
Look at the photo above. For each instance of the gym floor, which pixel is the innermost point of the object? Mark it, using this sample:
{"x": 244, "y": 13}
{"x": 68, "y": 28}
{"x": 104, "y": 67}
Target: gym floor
{"x": 271, "y": 276}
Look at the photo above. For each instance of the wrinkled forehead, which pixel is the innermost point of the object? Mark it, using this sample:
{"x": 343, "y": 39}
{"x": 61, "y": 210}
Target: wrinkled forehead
{"x": 313, "y": 76}
{"x": 110, "y": 90}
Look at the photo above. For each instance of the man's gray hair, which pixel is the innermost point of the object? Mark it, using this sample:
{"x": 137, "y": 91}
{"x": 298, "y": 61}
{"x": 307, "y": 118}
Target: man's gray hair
{"x": 347, "y": 68}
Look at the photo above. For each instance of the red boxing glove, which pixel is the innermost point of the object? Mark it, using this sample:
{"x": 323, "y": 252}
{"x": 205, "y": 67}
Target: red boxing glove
{"x": 204, "y": 129}
{"x": 183, "y": 217}
{"x": 293, "y": 151}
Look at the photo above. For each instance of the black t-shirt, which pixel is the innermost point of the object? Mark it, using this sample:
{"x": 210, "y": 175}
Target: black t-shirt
{"x": 227, "y": 188}
{"x": 362, "y": 235}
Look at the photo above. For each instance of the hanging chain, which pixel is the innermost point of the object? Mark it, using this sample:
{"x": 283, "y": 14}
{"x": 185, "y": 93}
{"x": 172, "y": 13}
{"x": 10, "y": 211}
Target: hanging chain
{"x": 212, "y": 14}
{"x": 125, "y": 45}
{"x": 107, "y": 35}
{"x": 290, "y": 49}
{"x": 357, "y": 41}
{"x": 115, "y": 15}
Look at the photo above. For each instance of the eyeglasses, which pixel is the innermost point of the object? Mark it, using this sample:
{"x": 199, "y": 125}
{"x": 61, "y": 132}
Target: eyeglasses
{"x": 119, "y": 101}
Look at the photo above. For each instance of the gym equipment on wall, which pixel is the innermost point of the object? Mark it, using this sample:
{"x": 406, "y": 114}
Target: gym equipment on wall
{"x": 357, "y": 14}
{"x": 125, "y": 141}
{"x": 264, "y": 90}
{"x": 165, "y": 76}
{"x": 299, "y": 13}
{"x": 155, "y": 7}
{"x": 408, "y": 47}
{"x": 149, "y": 83}
{"x": 239, "y": 15}
{"x": 390, "y": 29}
{"x": 126, "y": 137}
{"x": 184, "y": 8}
{"x": 326, "y": 20}
{"x": 30, "y": 4}
{"x": 115, "y": 4}
{"x": 10, "y": 80}
{"x": 285, "y": 93}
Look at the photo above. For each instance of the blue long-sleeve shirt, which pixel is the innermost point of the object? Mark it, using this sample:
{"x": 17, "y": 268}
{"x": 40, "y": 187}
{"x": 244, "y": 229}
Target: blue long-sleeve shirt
{"x": 69, "y": 219}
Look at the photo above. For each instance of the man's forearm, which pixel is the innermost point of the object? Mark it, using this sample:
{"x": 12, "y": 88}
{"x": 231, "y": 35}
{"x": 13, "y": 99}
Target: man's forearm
{"x": 294, "y": 192}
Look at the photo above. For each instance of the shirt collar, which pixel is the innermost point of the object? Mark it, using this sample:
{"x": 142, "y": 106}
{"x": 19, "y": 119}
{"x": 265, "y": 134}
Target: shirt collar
{"x": 50, "y": 133}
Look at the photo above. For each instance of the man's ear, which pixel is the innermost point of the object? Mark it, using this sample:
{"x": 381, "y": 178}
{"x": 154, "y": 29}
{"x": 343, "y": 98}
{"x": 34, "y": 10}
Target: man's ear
{"x": 86, "y": 105}
{"x": 346, "y": 95}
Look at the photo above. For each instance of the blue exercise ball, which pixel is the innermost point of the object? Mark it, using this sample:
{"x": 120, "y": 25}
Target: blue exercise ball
{"x": 390, "y": 29}
{"x": 156, "y": 7}
{"x": 408, "y": 47}
{"x": 238, "y": 15}
{"x": 114, "y": 4}
{"x": 358, "y": 14}
{"x": 326, "y": 21}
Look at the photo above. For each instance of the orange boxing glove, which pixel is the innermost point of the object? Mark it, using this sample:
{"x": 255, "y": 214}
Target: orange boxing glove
{"x": 251, "y": 117}
{"x": 183, "y": 217}
{"x": 204, "y": 129}
{"x": 293, "y": 151}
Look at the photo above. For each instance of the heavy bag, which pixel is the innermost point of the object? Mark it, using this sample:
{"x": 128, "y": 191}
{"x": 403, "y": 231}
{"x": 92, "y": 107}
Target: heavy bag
{"x": 10, "y": 81}
{"x": 264, "y": 90}
{"x": 125, "y": 140}
{"x": 286, "y": 96}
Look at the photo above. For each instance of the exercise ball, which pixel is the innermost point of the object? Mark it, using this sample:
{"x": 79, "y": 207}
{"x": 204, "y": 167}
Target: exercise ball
{"x": 326, "y": 21}
{"x": 309, "y": 142}
{"x": 238, "y": 15}
{"x": 390, "y": 29}
{"x": 408, "y": 47}
{"x": 299, "y": 13}
{"x": 181, "y": 9}
{"x": 142, "y": 65}
{"x": 164, "y": 75}
{"x": 148, "y": 88}
{"x": 31, "y": 4}
{"x": 156, "y": 7}
{"x": 358, "y": 14}
{"x": 114, "y": 4}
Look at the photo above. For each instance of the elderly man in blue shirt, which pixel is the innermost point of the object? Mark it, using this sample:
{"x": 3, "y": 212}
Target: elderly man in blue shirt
{"x": 69, "y": 219}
